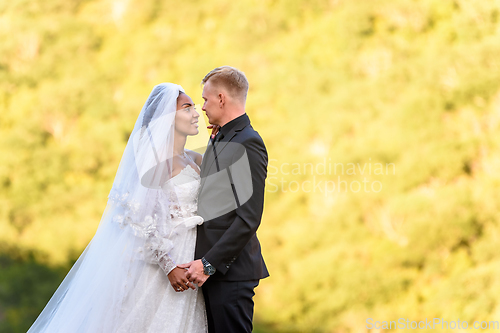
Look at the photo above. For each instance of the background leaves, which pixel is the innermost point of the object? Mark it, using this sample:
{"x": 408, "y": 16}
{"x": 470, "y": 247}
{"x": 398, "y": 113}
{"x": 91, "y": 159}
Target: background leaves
{"x": 412, "y": 83}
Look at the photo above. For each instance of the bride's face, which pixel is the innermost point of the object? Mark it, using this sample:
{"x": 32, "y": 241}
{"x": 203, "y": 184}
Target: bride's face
{"x": 186, "y": 117}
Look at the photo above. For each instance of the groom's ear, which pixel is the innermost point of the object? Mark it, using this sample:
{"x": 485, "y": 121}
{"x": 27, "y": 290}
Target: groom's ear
{"x": 222, "y": 99}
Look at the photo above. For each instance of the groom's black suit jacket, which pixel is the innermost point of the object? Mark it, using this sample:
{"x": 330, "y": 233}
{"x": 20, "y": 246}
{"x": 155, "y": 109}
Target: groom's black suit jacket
{"x": 231, "y": 200}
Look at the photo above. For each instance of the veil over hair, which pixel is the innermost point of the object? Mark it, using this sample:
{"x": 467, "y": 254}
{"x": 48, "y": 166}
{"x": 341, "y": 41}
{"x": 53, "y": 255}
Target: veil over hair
{"x": 133, "y": 232}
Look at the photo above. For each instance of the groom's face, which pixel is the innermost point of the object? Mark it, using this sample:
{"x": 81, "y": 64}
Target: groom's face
{"x": 212, "y": 103}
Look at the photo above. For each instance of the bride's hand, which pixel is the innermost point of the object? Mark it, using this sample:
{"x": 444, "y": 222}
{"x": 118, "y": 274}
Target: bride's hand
{"x": 179, "y": 281}
{"x": 215, "y": 130}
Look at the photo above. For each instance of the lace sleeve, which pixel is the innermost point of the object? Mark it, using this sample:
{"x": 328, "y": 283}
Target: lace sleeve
{"x": 166, "y": 263}
{"x": 157, "y": 248}
{"x": 154, "y": 229}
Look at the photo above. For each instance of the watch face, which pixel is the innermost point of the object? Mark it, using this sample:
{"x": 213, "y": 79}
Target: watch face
{"x": 209, "y": 270}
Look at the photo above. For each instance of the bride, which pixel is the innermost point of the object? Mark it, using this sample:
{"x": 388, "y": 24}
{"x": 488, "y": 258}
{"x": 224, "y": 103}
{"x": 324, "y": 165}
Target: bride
{"x": 126, "y": 280}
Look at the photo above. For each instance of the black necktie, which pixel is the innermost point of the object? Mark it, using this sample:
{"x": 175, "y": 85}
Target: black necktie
{"x": 217, "y": 137}
{"x": 214, "y": 144}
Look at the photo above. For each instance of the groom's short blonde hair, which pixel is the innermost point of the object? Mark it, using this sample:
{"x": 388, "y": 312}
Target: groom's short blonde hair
{"x": 230, "y": 78}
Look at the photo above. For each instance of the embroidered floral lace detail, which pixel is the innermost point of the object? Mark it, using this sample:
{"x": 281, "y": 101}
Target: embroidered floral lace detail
{"x": 182, "y": 193}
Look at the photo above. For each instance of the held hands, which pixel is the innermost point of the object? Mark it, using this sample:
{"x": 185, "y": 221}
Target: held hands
{"x": 179, "y": 281}
{"x": 195, "y": 272}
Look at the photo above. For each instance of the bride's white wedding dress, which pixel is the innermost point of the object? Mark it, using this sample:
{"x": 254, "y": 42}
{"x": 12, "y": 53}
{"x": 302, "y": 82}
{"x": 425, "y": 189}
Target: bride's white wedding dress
{"x": 158, "y": 308}
{"x": 120, "y": 282}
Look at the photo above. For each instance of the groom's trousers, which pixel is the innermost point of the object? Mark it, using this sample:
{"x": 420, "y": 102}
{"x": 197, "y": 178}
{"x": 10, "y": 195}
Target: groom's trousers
{"x": 229, "y": 305}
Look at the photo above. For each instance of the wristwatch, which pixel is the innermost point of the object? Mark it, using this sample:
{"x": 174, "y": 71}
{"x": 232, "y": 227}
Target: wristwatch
{"x": 208, "y": 269}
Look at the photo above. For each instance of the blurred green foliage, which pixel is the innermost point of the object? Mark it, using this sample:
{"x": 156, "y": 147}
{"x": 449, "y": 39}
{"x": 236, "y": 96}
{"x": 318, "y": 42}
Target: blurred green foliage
{"x": 412, "y": 83}
{"x": 26, "y": 285}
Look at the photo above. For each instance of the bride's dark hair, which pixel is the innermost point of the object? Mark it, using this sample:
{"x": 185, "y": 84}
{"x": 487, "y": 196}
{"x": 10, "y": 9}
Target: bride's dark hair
{"x": 151, "y": 106}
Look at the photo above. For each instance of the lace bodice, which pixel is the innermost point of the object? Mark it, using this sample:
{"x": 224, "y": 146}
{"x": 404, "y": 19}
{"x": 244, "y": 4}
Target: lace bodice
{"x": 182, "y": 193}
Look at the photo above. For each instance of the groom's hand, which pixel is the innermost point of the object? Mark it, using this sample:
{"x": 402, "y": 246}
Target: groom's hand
{"x": 195, "y": 272}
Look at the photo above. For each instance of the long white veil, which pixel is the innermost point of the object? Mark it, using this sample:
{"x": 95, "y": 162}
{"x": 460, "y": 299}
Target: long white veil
{"x": 95, "y": 295}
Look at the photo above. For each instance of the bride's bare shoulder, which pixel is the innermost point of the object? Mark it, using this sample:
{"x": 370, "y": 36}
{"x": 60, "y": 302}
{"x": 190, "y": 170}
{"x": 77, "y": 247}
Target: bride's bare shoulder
{"x": 197, "y": 157}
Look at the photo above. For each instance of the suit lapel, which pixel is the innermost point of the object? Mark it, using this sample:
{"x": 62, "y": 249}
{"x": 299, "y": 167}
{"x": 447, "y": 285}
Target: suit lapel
{"x": 204, "y": 162}
{"x": 206, "y": 156}
{"x": 219, "y": 147}
{"x": 209, "y": 159}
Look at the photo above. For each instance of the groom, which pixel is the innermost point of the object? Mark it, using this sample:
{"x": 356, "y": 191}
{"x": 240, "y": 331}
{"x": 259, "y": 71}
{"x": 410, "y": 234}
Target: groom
{"x": 229, "y": 262}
